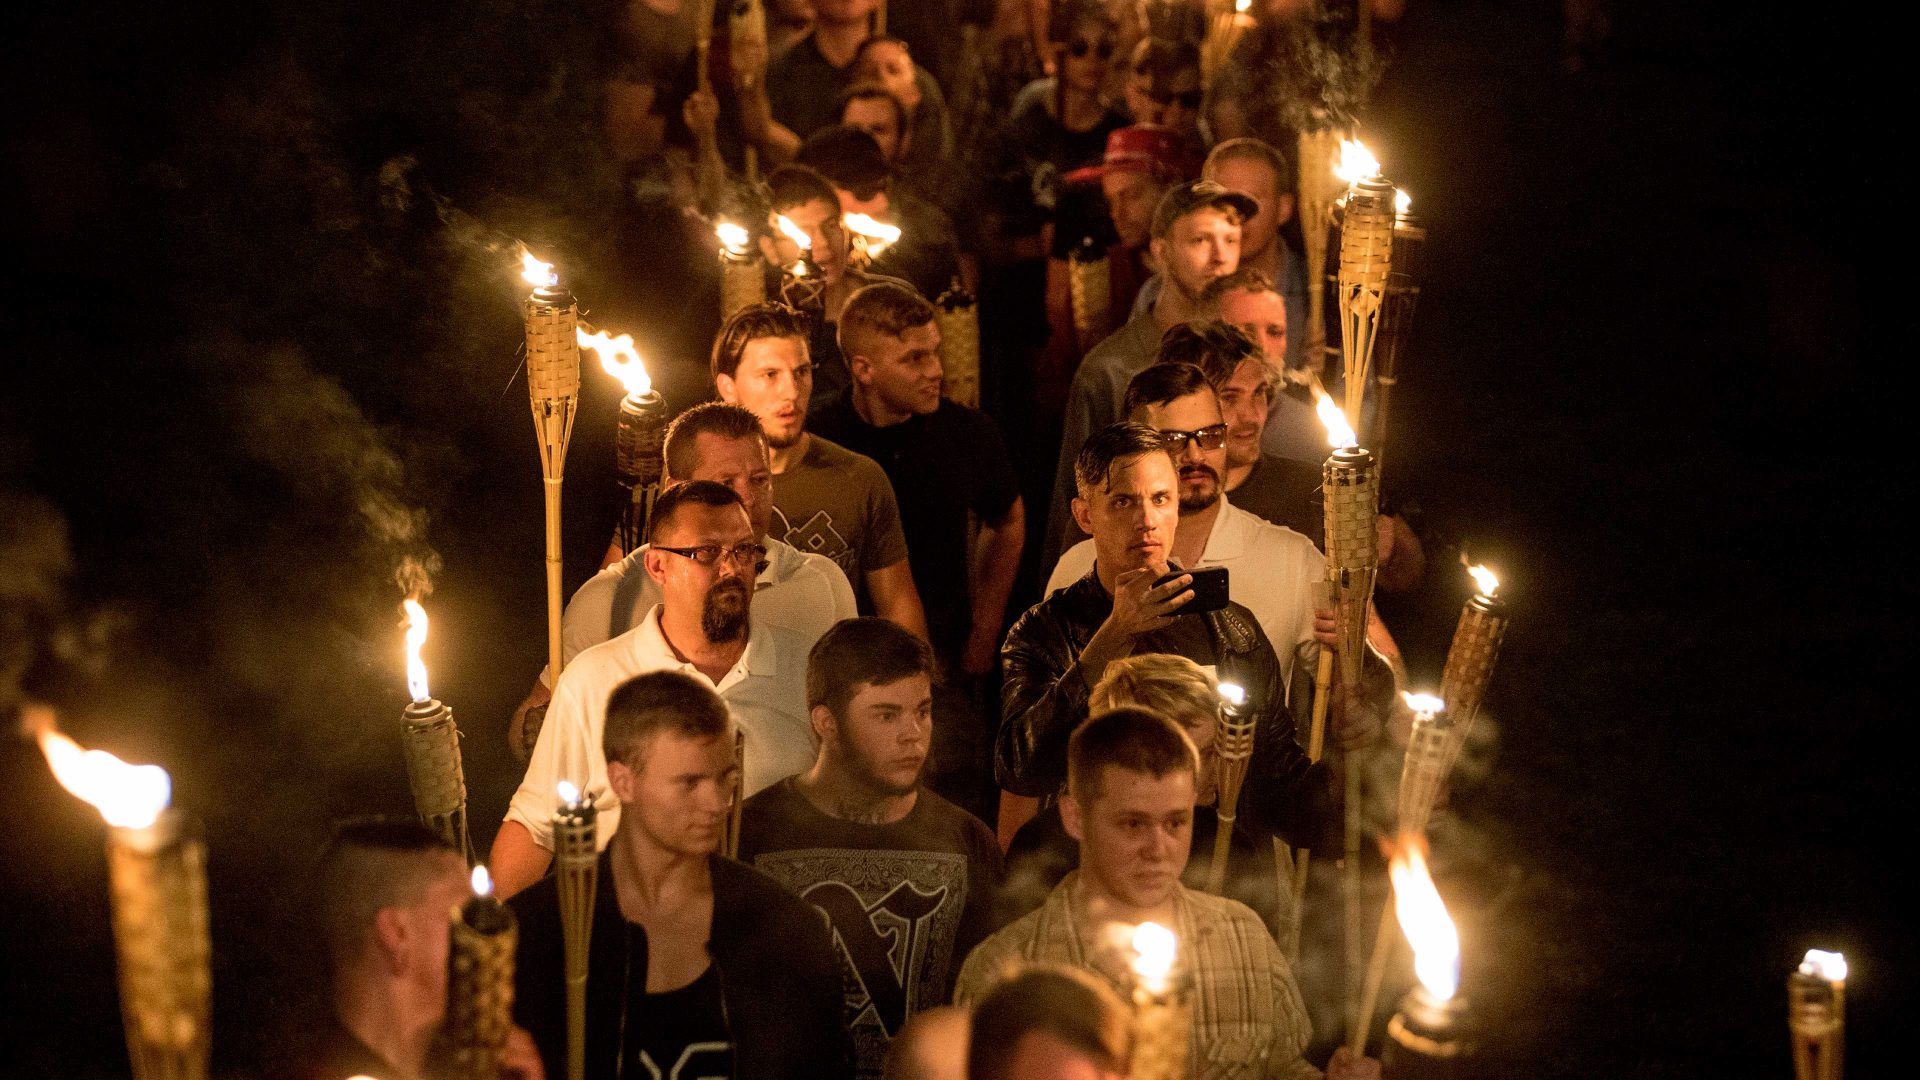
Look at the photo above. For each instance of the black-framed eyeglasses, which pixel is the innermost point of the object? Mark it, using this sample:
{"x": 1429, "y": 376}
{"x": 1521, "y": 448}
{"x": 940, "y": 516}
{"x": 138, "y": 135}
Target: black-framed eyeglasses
{"x": 1211, "y": 437}
{"x": 1188, "y": 99}
{"x": 1081, "y": 47}
{"x": 743, "y": 554}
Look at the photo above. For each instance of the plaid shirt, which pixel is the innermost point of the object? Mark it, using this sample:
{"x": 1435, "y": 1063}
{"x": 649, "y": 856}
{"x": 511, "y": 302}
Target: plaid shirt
{"x": 1249, "y": 1022}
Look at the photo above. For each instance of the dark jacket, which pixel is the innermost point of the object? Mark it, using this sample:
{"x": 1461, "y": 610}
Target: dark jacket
{"x": 780, "y": 980}
{"x": 1044, "y": 697}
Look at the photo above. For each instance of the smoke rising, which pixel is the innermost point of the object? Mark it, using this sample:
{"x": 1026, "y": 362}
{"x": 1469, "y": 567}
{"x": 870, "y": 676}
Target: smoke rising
{"x": 34, "y": 565}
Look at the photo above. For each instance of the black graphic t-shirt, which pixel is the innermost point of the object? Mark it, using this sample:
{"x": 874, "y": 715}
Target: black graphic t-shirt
{"x": 905, "y": 901}
{"x": 679, "y": 1035}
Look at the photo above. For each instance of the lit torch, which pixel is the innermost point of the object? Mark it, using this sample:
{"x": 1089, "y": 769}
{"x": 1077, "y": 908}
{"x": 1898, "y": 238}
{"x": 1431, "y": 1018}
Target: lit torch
{"x": 1229, "y": 23}
{"x": 156, "y": 871}
{"x": 802, "y": 286}
{"x": 742, "y": 281}
{"x": 480, "y": 982}
{"x": 637, "y": 434}
{"x": 871, "y": 236}
{"x": 1090, "y": 285}
{"x": 1232, "y": 746}
{"x": 1319, "y": 187}
{"x": 1366, "y": 256}
{"x": 1426, "y": 1039}
{"x": 553, "y": 381}
{"x": 431, "y": 742}
{"x": 1817, "y": 1015}
{"x": 1470, "y": 659}
{"x": 1162, "y": 1007}
{"x": 957, "y": 316}
{"x": 576, "y": 859}
{"x": 1396, "y": 309}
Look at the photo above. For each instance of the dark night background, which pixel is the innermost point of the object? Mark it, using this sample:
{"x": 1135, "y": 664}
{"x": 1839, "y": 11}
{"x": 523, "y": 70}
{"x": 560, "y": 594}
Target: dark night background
{"x": 252, "y": 377}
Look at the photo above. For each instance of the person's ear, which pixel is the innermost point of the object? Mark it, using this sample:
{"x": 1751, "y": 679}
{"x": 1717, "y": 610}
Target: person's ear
{"x": 1157, "y": 249}
{"x": 728, "y": 393}
{"x": 622, "y": 781}
{"x": 1082, "y": 514}
{"x": 1071, "y": 819}
{"x": 393, "y": 937}
{"x": 823, "y": 722}
{"x": 861, "y": 368}
{"x": 1283, "y": 208}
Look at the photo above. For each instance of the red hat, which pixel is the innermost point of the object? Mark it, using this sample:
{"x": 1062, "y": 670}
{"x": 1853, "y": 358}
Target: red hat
{"x": 1141, "y": 148}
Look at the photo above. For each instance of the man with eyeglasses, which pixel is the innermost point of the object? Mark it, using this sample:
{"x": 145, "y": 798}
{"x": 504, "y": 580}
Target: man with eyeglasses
{"x": 1163, "y": 86}
{"x": 702, "y": 552}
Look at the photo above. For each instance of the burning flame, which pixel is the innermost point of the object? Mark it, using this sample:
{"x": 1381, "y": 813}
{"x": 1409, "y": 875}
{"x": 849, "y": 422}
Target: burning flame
{"x": 1153, "y": 950}
{"x": 1484, "y": 580}
{"x": 569, "y": 795}
{"x": 1356, "y": 162}
{"x": 1242, "y": 5}
{"x": 793, "y": 232}
{"x": 482, "y": 881}
{"x": 1339, "y": 432}
{"x": 1830, "y": 966}
{"x": 1423, "y": 918}
{"x": 798, "y": 269}
{"x": 879, "y": 235}
{"x": 416, "y": 637}
{"x": 1233, "y": 694}
{"x": 1402, "y": 202}
{"x": 1423, "y": 703}
{"x": 732, "y": 237}
{"x": 535, "y": 272}
{"x": 127, "y": 796}
{"x": 619, "y": 357}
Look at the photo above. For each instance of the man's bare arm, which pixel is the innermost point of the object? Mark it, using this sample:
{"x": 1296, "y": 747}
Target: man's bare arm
{"x": 895, "y": 599}
{"x": 997, "y": 562}
{"x": 516, "y": 861}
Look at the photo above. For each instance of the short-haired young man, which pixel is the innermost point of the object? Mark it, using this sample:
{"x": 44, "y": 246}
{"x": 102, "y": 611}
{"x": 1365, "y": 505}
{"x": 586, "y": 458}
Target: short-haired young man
{"x": 827, "y": 500}
{"x": 383, "y": 892}
{"x": 905, "y": 878}
{"x": 948, "y": 462}
{"x": 702, "y": 553}
{"x": 799, "y": 590}
{"x": 1196, "y": 238}
{"x": 1262, "y": 173}
{"x": 700, "y": 966}
{"x": 1129, "y": 804}
{"x": 927, "y": 254}
{"x": 1050, "y": 1022}
{"x": 1061, "y": 648}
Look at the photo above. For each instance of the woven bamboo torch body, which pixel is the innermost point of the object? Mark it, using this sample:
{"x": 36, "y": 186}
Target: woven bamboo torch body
{"x": 1352, "y": 492}
{"x": 1817, "y": 1016}
{"x": 743, "y": 280}
{"x": 576, "y": 860}
{"x": 958, "y": 317}
{"x": 1233, "y": 747}
{"x": 1325, "y": 595}
{"x": 637, "y": 440}
{"x": 1090, "y": 284}
{"x": 431, "y": 742}
{"x": 553, "y": 383}
{"x": 1396, "y": 316}
{"x": 1319, "y": 187}
{"x": 1366, "y": 257}
{"x": 480, "y": 985}
{"x": 1426, "y": 1039}
{"x": 1470, "y": 661}
{"x": 158, "y": 879}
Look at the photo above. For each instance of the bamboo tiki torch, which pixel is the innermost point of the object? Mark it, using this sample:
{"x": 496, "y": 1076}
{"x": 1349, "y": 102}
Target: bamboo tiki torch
{"x": 1470, "y": 659}
{"x": 1366, "y": 257}
{"x": 1227, "y": 25}
{"x": 480, "y": 982}
{"x": 156, "y": 871}
{"x": 1427, "y": 1039}
{"x": 553, "y": 383}
{"x": 1396, "y": 310}
{"x": 747, "y": 36}
{"x": 1422, "y": 772}
{"x": 743, "y": 282}
{"x": 1232, "y": 747}
{"x": 1090, "y": 285}
{"x": 638, "y": 434}
{"x": 1162, "y": 1007}
{"x": 1817, "y": 1015}
{"x": 958, "y": 317}
{"x": 431, "y": 742}
{"x": 802, "y": 286}
{"x": 576, "y": 860}
{"x": 730, "y": 842}
{"x": 1319, "y": 187}
{"x": 871, "y": 237}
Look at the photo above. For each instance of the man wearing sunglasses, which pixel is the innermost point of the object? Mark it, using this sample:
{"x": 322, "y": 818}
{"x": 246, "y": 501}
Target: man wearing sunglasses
{"x": 1163, "y": 86}
{"x": 703, "y": 554}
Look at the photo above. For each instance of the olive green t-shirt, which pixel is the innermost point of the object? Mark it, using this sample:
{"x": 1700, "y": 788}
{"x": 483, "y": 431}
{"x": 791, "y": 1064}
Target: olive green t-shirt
{"x": 837, "y": 503}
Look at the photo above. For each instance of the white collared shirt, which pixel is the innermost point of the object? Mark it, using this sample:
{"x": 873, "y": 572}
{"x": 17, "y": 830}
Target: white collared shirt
{"x": 1271, "y": 571}
{"x": 798, "y": 590}
{"x": 766, "y": 691}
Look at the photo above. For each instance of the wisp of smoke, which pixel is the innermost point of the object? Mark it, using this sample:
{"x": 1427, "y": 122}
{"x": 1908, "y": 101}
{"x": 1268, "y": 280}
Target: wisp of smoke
{"x": 34, "y": 564}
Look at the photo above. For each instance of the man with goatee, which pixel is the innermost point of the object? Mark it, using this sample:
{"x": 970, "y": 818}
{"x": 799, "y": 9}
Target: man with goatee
{"x": 703, "y": 554}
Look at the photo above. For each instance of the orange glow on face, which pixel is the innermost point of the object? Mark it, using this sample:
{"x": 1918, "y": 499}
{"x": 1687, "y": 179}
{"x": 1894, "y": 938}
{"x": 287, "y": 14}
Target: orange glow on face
{"x": 127, "y": 796}
{"x": 416, "y": 637}
{"x": 619, "y": 357}
{"x": 1423, "y": 918}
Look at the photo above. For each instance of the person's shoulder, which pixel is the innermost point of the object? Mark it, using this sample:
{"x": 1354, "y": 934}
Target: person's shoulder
{"x": 1216, "y": 912}
{"x": 1272, "y": 540}
{"x": 1032, "y": 96}
{"x": 938, "y": 807}
{"x": 773, "y": 800}
{"x": 1000, "y": 955}
{"x": 804, "y": 565}
{"x": 788, "y": 645}
{"x": 964, "y": 420}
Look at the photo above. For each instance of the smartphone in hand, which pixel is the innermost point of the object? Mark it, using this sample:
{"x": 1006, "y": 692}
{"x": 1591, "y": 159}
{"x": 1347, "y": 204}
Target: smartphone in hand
{"x": 1209, "y": 589}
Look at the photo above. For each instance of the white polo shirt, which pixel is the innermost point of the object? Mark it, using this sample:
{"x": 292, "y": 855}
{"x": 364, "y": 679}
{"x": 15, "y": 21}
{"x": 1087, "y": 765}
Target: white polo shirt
{"x": 1271, "y": 571}
{"x": 798, "y": 590}
{"x": 766, "y": 692}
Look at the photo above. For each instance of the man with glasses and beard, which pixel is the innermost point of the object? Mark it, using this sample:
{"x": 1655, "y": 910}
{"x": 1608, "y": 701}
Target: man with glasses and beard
{"x": 702, "y": 552}
{"x": 904, "y": 877}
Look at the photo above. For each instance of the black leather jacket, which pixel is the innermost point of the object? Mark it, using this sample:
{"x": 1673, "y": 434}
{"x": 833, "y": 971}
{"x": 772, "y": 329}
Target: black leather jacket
{"x": 1044, "y": 697}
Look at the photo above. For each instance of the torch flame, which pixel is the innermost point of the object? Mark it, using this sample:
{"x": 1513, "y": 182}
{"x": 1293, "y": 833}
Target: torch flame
{"x": 1402, "y": 202}
{"x": 1423, "y": 703}
{"x": 482, "y": 881}
{"x": 793, "y": 232}
{"x": 1484, "y": 580}
{"x": 1830, "y": 966}
{"x": 1153, "y": 950}
{"x": 1356, "y": 162}
{"x": 416, "y": 637}
{"x": 619, "y": 357}
{"x": 569, "y": 795}
{"x": 1242, "y": 5}
{"x": 732, "y": 237}
{"x": 535, "y": 272}
{"x": 798, "y": 269}
{"x": 127, "y": 796}
{"x": 1339, "y": 432}
{"x": 878, "y": 234}
{"x": 1423, "y": 918}
{"x": 1233, "y": 694}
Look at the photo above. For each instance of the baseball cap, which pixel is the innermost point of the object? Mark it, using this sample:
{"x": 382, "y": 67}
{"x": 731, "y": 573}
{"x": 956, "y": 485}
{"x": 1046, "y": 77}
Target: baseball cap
{"x": 1140, "y": 148}
{"x": 1194, "y": 195}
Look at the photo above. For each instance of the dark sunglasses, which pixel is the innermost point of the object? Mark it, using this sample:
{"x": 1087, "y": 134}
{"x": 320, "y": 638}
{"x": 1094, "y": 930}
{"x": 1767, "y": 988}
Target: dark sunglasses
{"x": 1211, "y": 437}
{"x": 745, "y": 554}
{"x": 1081, "y": 47}
{"x": 1189, "y": 99}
